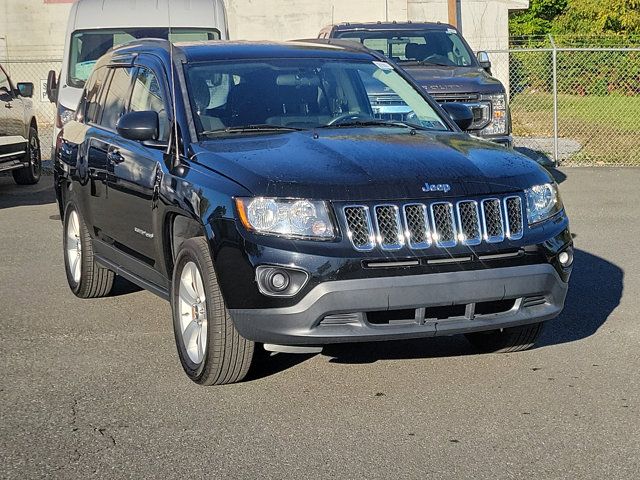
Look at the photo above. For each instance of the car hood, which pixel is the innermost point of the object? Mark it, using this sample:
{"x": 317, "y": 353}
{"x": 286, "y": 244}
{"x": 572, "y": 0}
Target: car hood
{"x": 454, "y": 79}
{"x": 368, "y": 164}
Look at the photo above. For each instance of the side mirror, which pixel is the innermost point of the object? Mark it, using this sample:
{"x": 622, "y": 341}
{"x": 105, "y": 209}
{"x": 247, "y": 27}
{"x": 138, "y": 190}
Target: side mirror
{"x": 459, "y": 113}
{"x": 483, "y": 60}
{"x": 139, "y": 126}
{"x": 52, "y": 86}
{"x": 25, "y": 89}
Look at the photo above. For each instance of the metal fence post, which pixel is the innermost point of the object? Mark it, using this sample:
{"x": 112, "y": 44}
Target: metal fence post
{"x": 555, "y": 100}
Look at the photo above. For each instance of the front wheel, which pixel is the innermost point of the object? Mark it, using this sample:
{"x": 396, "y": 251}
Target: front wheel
{"x": 506, "y": 340}
{"x": 211, "y": 350}
{"x": 30, "y": 174}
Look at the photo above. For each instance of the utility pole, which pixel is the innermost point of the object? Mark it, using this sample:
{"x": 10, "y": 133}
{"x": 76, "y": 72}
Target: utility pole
{"x": 453, "y": 12}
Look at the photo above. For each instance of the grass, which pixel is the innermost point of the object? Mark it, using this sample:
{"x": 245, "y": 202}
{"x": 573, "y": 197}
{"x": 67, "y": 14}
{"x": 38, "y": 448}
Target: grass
{"x": 606, "y": 127}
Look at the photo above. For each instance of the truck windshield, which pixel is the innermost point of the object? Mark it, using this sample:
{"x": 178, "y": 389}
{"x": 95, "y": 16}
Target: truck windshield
{"x": 287, "y": 94}
{"x": 87, "y": 46}
{"x": 435, "y": 47}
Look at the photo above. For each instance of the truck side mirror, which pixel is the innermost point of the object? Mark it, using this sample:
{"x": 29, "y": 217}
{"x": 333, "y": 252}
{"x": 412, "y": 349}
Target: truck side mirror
{"x": 25, "y": 89}
{"x": 52, "y": 86}
{"x": 483, "y": 60}
{"x": 459, "y": 113}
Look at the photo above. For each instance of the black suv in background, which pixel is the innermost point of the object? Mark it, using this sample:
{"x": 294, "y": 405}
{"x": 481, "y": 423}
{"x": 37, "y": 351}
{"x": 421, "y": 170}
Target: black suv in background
{"x": 440, "y": 60}
{"x": 19, "y": 143}
{"x": 273, "y": 206}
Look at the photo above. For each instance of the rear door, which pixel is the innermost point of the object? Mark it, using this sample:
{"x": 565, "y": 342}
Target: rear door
{"x": 12, "y": 141}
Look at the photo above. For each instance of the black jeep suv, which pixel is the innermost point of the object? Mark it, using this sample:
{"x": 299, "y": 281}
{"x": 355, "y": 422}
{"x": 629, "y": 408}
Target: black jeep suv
{"x": 440, "y": 60}
{"x": 268, "y": 204}
{"x": 19, "y": 144}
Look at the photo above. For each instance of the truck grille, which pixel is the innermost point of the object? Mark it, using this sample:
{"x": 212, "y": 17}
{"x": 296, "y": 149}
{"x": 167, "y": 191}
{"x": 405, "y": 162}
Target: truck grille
{"x": 445, "y": 224}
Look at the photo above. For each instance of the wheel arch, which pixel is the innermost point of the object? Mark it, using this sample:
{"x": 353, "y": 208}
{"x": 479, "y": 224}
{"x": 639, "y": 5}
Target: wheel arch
{"x": 177, "y": 229}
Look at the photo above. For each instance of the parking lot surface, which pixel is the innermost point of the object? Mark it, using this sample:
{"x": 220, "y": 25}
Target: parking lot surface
{"x": 94, "y": 388}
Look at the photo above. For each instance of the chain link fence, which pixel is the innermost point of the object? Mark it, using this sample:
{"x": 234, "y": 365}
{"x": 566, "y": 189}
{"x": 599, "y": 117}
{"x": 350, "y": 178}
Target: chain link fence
{"x": 36, "y": 71}
{"x": 576, "y": 105}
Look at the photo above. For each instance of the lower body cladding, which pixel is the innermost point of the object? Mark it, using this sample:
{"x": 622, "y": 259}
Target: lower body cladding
{"x": 412, "y": 306}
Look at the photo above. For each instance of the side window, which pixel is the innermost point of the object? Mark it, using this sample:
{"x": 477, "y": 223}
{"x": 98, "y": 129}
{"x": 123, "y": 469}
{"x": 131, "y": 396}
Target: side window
{"x": 92, "y": 95}
{"x": 147, "y": 95}
{"x": 4, "y": 82}
{"x": 116, "y": 97}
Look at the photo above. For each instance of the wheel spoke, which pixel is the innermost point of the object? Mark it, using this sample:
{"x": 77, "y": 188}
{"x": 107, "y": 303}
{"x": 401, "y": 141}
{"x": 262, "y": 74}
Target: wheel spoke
{"x": 187, "y": 293}
{"x": 190, "y": 335}
{"x": 200, "y": 344}
{"x": 76, "y": 268}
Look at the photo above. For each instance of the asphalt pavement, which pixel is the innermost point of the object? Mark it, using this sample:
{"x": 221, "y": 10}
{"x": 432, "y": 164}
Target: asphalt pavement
{"x": 94, "y": 388}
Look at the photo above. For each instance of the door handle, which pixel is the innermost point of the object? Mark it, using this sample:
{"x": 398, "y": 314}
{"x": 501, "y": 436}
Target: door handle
{"x": 115, "y": 157}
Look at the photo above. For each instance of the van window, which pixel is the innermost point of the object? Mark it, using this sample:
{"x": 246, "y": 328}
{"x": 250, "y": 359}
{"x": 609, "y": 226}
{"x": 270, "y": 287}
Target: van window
{"x": 92, "y": 95}
{"x": 147, "y": 95}
{"x": 116, "y": 97}
{"x": 87, "y": 46}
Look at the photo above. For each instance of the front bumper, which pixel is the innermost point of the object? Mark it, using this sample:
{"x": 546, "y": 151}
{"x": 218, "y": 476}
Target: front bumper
{"x": 537, "y": 290}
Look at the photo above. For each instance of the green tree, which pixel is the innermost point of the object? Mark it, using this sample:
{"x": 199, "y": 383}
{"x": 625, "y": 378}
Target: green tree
{"x": 594, "y": 17}
{"x": 538, "y": 19}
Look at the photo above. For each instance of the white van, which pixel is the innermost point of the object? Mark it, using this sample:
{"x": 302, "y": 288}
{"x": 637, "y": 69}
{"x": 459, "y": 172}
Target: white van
{"x": 95, "y": 26}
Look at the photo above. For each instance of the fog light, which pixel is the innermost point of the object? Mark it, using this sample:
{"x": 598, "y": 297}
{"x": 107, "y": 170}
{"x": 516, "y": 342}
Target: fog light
{"x": 280, "y": 281}
{"x": 566, "y": 258}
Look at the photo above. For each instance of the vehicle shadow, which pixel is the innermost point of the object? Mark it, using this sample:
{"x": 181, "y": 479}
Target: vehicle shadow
{"x": 12, "y": 195}
{"x": 596, "y": 289}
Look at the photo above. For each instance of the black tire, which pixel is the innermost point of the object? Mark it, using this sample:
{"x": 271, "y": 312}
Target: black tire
{"x": 507, "y": 340}
{"x": 30, "y": 175}
{"x": 95, "y": 281}
{"x": 227, "y": 356}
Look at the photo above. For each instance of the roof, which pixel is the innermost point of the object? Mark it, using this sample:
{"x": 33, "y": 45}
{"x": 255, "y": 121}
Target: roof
{"x": 240, "y": 50}
{"x": 373, "y": 26}
{"x": 92, "y": 14}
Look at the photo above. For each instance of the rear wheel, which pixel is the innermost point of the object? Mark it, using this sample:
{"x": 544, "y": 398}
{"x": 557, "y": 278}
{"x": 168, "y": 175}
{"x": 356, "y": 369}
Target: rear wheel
{"x": 86, "y": 278}
{"x": 30, "y": 174}
{"x": 505, "y": 340}
{"x": 211, "y": 350}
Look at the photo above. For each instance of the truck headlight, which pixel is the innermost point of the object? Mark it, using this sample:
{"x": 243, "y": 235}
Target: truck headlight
{"x": 543, "y": 202}
{"x": 498, "y": 123}
{"x": 293, "y": 218}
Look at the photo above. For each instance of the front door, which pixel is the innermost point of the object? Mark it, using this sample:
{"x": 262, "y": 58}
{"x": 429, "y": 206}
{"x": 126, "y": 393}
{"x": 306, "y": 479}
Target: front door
{"x": 12, "y": 130}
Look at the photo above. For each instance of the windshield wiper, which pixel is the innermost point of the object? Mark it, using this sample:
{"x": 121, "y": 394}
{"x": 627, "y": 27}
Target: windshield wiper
{"x": 252, "y": 129}
{"x": 376, "y": 123}
{"x": 438, "y": 64}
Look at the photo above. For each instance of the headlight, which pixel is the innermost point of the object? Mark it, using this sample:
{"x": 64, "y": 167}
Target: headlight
{"x": 65, "y": 115}
{"x": 293, "y": 218}
{"x": 543, "y": 201}
{"x": 498, "y": 124}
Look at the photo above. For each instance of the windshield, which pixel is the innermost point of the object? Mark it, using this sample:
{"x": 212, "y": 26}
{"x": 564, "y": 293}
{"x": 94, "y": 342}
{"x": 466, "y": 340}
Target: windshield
{"x": 304, "y": 94}
{"x": 437, "y": 47}
{"x": 87, "y": 46}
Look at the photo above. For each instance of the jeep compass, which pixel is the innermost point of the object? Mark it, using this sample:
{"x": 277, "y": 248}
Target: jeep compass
{"x": 253, "y": 186}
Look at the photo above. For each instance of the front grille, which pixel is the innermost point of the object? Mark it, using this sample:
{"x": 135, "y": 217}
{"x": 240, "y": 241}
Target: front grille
{"x": 492, "y": 220}
{"x": 513, "y": 209}
{"x": 389, "y": 227}
{"x": 469, "y": 223}
{"x": 445, "y": 224}
{"x": 415, "y": 216}
{"x": 360, "y": 231}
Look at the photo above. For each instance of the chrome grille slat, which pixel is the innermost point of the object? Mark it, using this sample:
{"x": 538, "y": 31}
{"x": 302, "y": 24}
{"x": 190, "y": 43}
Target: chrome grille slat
{"x": 444, "y": 225}
{"x": 359, "y": 227}
{"x": 492, "y": 223}
{"x": 513, "y": 216}
{"x": 416, "y": 220}
{"x": 469, "y": 222}
{"x": 388, "y": 227}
